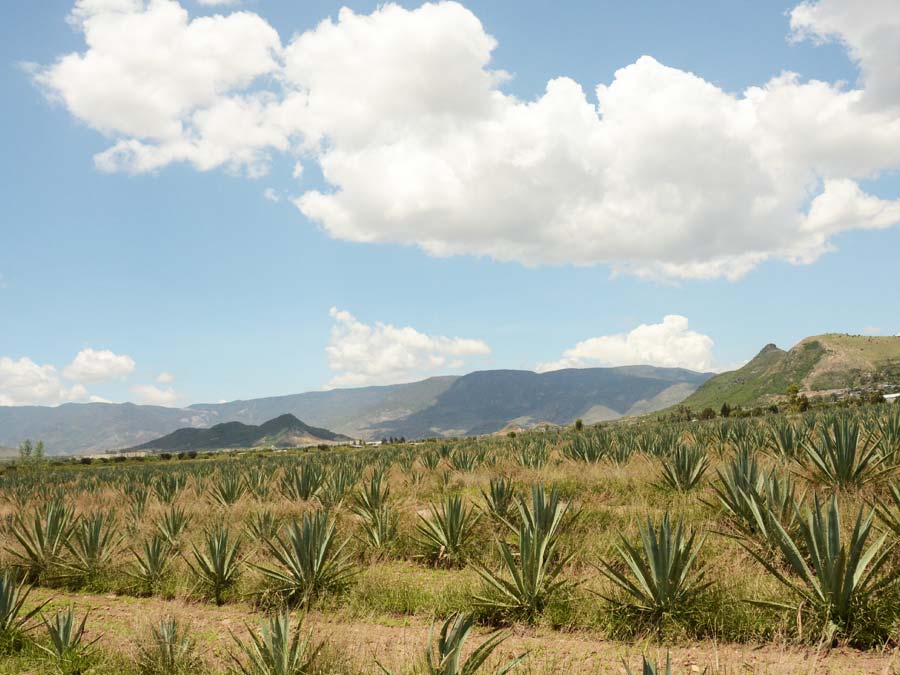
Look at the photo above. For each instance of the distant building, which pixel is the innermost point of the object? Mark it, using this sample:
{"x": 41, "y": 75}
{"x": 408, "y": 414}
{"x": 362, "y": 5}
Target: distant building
{"x": 890, "y": 398}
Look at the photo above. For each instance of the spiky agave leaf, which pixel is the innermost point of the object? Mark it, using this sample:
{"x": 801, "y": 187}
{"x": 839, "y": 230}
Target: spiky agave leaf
{"x": 276, "y": 649}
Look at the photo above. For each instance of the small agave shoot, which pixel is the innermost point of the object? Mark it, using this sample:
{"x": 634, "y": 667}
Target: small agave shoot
{"x": 217, "y": 564}
{"x": 661, "y": 577}
{"x": 172, "y": 525}
{"x": 151, "y": 564}
{"x": 444, "y": 656}
{"x": 263, "y": 525}
{"x": 531, "y": 571}
{"x": 500, "y": 498}
{"x": 532, "y": 454}
{"x": 649, "y": 667}
{"x": 834, "y": 576}
{"x": 276, "y": 649}
{"x": 168, "y": 650}
{"x": 67, "y": 647}
{"x": 43, "y": 539}
{"x": 13, "y": 594}
{"x": 312, "y": 562}
{"x": 841, "y": 456}
{"x": 684, "y": 470}
{"x": 93, "y": 545}
{"x": 446, "y": 537}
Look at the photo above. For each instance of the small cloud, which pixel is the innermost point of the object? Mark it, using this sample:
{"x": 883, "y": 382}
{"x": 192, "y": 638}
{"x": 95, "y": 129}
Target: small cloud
{"x": 91, "y": 365}
{"x": 298, "y": 171}
{"x": 165, "y": 378}
{"x": 217, "y": 3}
{"x": 669, "y": 344}
{"x": 871, "y": 330}
{"x": 361, "y": 354}
{"x": 149, "y": 394}
{"x": 271, "y": 195}
{"x": 98, "y": 399}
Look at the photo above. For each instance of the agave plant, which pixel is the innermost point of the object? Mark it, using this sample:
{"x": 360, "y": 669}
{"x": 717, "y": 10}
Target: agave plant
{"x": 463, "y": 459}
{"x": 304, "y": 484}
{"x": 533, "y": 454}
{"x": 499, "y": 500}
{"x": 784, "y": 440}
{"x": 446, "y": 536}
{"x": 661, "y": 576}
{"x": 834, "y": 576}
{"x": 43, "y": 539}
{"x": 649, "y": 667}
{"x": 587, "y": 447}
{"x": 378, "y": 520}
{"x": 534, "y": 567}
{"x": 841, "y": 456}
{"x": 228, "y": 488}
{"x": 430, "y": 460}
{"x": 889, "y": 435}
{"x": 685, "y": 469}
{"x": 168, "y": 650}
{"x": 257, "y": 482}
{"x": 172, "y": 525}
{"x": 444, "y": 656}
{"x": 167, "y": 487}
{"x": 737, "y": 484}
{"x": 339, "y": 480}
{"x": 94, "y": 543}
{"x": 13, "y": 594}
{"x": 67, "y": 646}
{"x": 137, "y": 495}
{"x": 151, "y": 563}
{"x": 312, "y": 562}
{"x": 277, "y": 649}
{"x": 218, "y": 563}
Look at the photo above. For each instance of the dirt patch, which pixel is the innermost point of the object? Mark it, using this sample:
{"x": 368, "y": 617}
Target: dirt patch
{"x": 122, "y": 620}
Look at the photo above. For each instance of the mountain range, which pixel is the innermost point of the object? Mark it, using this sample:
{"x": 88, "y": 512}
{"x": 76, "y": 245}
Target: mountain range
{"x": 285, "y": 431}
{"x": 817, "y": 365}
{"x": 480, "y": 402}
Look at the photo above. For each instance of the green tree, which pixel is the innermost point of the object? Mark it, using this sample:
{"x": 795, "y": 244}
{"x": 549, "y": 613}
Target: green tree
{"x": 725, "y": 410}
{"x": 579, "y": 424}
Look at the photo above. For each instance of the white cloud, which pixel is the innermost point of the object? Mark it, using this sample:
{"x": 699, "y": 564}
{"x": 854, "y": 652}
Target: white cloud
{"x": 217, "y": 3}
{"x": 24, "y": 382}
{"x": 149, "y": 394}
{"x": 868, "y": 30}
{"x": 92, "y": 365}
{"x": 657, "y": 173}
{"x": 669, "y": 344}
{"x": 361, "y": 354}
{"x": 272, "y": 195}
{"x": 165, "y": 378}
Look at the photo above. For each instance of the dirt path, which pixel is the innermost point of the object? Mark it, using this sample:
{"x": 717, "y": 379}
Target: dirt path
{"x": 122, "y": 619}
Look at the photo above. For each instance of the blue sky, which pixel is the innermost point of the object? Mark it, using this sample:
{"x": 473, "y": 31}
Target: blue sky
{"x": 194, "y": 272}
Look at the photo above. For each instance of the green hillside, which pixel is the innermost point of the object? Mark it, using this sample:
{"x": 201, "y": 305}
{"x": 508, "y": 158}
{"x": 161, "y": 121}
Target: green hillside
{"x": 816, "y": 364}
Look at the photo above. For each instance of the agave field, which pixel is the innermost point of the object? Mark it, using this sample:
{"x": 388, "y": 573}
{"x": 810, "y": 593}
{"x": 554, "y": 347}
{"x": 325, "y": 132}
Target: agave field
{"x": 577, "y": 551}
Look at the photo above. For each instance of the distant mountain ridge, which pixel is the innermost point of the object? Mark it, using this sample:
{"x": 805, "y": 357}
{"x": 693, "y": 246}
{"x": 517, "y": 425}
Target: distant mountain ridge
{"x": 480, "y": 402}
{"x": 819, "y": 363}
{"x": 285, "y": 431}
